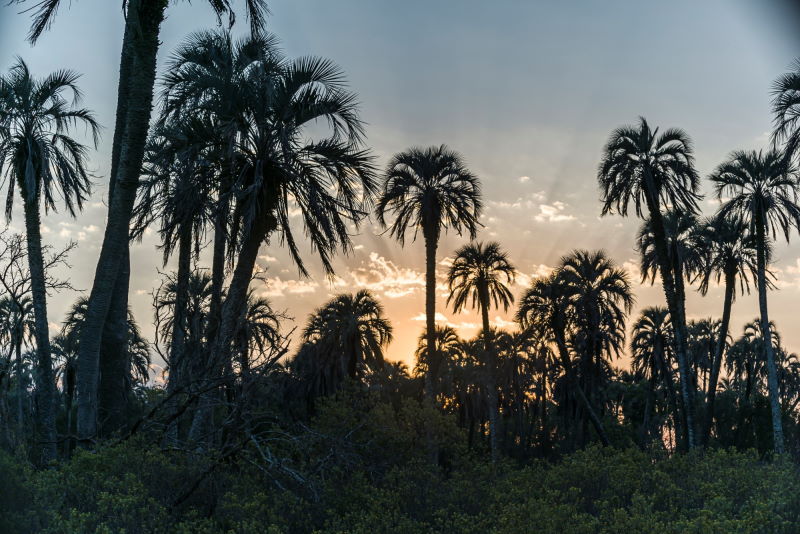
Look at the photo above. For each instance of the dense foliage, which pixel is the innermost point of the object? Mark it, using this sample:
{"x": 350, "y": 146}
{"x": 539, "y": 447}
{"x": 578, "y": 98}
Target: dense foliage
{"x": 359, "y": 468}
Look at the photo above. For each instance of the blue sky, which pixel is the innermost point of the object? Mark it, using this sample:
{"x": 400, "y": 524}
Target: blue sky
{"x": 526, "y": 91}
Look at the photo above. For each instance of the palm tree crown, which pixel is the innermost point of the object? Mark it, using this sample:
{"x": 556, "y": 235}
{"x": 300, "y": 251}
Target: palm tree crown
{"x": 480, "y": 272}
{"x": 649, "y": 169}
{"x": 430, "y": 190}
{"x": 761, "y": 188}
{"x": 36, "y": 152}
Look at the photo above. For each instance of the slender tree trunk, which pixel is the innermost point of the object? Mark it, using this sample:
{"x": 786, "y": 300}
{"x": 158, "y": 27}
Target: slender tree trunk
{"x": 145, "y": 17}
{"x": 21, "y": 393}
{"x": 177, "y": 357}
{"x": 430, "y": 310}
{"x": 114, "y": 358}
{"x": 719, "y": 351}
{"x": 232, "y": 311}
{"x": 45, "y": 383}
{"x": 113, "y": 386}
{"x": 673, "y": 287}
{"x": 491, "y": 382}
{"x": 772, "y": 370}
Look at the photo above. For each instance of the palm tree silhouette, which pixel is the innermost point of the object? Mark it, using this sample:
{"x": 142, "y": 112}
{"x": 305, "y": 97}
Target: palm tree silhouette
{"x": 328, "y": 179}
{"x": 599, "y": 298}
{"x": 38, "y": 156}
{"x": 344, "y": 338}
{"x": 730, "y": 256}
{"x": 480, "y": 275}
{"x": 762, "y": 191}
{"x": 786, "y": 107}
{"x": 441, "y": 362}
{"x": 208, "y": 77}
{"x": 430, "y": 191}
{"x": 652, "y": 171}
{"x": 108, "y": 298}
{"x": 651, "y": 349}
{"x": 177, "y": 185}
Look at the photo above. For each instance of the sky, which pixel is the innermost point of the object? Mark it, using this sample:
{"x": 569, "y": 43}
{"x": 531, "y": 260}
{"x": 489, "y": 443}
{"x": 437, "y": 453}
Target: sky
{"x": 527, "y": 92}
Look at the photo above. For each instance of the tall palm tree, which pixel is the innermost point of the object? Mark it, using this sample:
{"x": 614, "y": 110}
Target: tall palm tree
{"x": 38, "y": 156}
{"x": 786, "y": 107}
{"x": 651, "y": 347}
{"x": 430, "y": 191}
{"x": 209, "y": 76}
{"x": 345, "y": 338}
{"x": 481, "y": 273}
{"x": 729, "y": 257}
{"x": 178, "y": 182}
{"x": 653, "y": 171}
{"x": 329, "y": 179}
{"x": 108, "y": 299}
{"x": 762, "y": 190}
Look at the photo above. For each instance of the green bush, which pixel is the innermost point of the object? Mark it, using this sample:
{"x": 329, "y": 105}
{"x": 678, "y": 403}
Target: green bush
{"x": 363, "y": 466}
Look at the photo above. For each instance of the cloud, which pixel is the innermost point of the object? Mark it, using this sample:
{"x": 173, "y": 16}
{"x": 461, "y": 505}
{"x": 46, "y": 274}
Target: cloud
{"x": 539, "y": 271}
{"x": 267, "y": 258}
{"x": 277, "y": 287}
{"x": 523, "y": 179}
{"x": 553, "y": 213}
{"x": 439, "y": 318}
{"x": 384, "y": 276}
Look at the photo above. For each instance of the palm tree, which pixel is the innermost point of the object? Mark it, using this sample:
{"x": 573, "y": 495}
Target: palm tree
{"x": 108, "y": 299}
{"x": 345, "y": 338}
{"x": 430, "y": 191}
{"x": 729, "y": 255}
{"x": 177, "y": 185}
{"x": 38, "y": 156}
{"x": 654, "y": 171}
{"x": 684, "y": 247}
{"x": 481, "y": 273}
{"x": 330, "y": 180}
{"x": 258, "y": 332}
{"x": 651, "y": 345}
{"x": 762, "y": 188}
{"x": 208, "y": 77}
{"x": 544, "y": 310}
{"x": 786, "y": 107}
{"x": 599, "y": 297}
{"x": 441, "y": 361}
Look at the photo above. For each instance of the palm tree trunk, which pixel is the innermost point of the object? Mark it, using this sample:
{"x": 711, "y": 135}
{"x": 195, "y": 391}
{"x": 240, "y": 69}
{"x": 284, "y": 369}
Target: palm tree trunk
{"x": 45, "y": 384}
{"x": 144, "y": 17}
{"x": 232, "y": 311}
{"x": 113, "y": 386}
{"x": 430, "y": 310}
{"x": 772, "y": 370}
{"x": 719, "y": 351}
{"x": 673, "y": 287}
{"x": 20, "y": 389}
{"x": 177, "y": 363}
{"x": 491, "y": 386}
{"x": 114, "y": 359}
